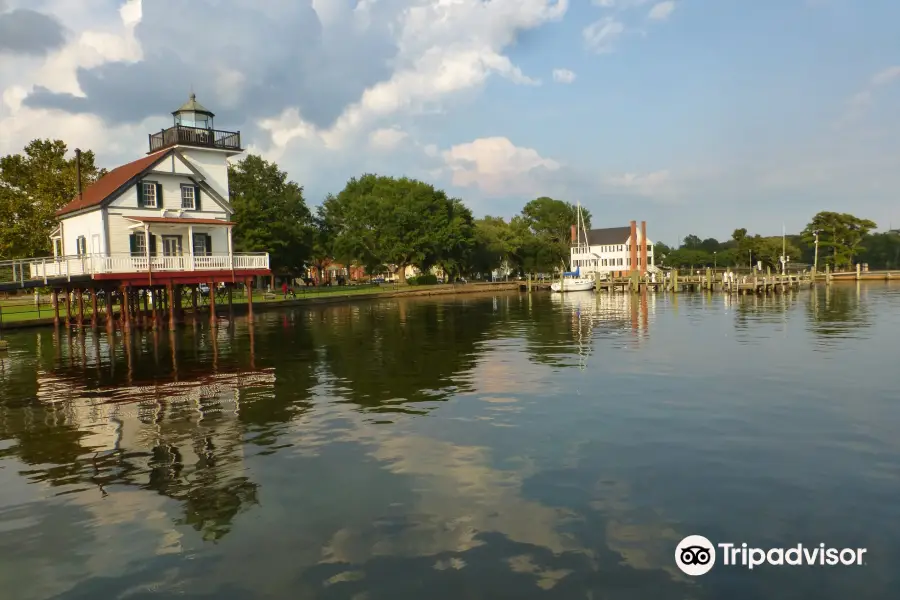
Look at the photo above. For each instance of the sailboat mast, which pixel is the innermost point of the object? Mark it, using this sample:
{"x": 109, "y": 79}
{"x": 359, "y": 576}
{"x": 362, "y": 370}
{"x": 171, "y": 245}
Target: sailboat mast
{"x": 578, "y": 225}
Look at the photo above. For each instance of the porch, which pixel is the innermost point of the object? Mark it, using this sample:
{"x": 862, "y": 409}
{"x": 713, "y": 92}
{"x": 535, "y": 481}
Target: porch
{"x": 57, "y": 269}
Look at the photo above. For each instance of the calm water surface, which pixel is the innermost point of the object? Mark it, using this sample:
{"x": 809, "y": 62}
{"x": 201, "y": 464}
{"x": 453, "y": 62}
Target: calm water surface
{"x": 459, "y": 448}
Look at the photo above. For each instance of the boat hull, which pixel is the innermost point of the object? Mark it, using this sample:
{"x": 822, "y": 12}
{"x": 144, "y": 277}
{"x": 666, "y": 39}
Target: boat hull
{"x": 572, "y": 285}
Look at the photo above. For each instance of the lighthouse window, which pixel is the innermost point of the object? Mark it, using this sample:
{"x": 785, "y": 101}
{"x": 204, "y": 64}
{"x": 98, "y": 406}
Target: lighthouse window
{"x": 187, "y": 197}
{"x": 149, "y": 195}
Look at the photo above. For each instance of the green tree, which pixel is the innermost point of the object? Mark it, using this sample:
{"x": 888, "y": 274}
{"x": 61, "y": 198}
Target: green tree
{"x": 710, "y": 245}
{"x": 382, "y": 220}
{"x": 270, "y": 214}
{"x": 33, "y": 186}
{"x": 453, "y": 240}
{"x": 692, "y": 242}
{"x": 882, "y": 250}
{"x": 544, "y": 232}
{"x": 533, "y": 253}
{"x": 494, "y": 245}
{"x": 553, "y": 219}
{"x": 840, "y": 236}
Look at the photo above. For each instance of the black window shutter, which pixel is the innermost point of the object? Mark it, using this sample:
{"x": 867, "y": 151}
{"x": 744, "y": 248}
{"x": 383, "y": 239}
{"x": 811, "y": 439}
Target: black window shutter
{"x": 159, "y": 195}
{"x": 140, "y": 193}
{"x": 152, "y": 244}
{"x": 132, "y": 243}
{"x": 196, "y": 197}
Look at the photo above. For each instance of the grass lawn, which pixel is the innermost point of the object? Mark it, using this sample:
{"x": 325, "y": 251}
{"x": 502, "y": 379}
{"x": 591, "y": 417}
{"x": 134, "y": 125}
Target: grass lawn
{"x": 23, "y": 308}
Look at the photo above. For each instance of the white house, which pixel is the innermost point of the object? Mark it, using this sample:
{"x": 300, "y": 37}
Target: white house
{"x": 167, "y": 212}
{"x": 615, "y": 250}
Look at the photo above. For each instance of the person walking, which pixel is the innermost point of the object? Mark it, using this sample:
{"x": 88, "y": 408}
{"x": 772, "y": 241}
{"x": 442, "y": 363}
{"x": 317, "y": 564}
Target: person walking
{"x": 284, "y": 290}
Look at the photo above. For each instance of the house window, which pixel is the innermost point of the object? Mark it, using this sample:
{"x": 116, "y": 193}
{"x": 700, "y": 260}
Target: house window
{"x": 140, "y": 244}
{"x": 81, "y": 245}
{"x": 171, "y": 245}
{"x": 149, "y": 191}
{"x": 188, "y": 197}
{"x": 201, "y": 245}
{"x": 57, "y": 247}
{"x": 649, "y": 248}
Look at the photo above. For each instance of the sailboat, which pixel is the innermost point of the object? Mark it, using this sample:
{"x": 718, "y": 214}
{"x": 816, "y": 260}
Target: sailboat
{"x": 572, "y": 281}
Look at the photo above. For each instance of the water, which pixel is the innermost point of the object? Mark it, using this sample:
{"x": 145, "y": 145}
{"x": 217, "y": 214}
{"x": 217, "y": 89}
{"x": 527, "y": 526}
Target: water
{"x": 458, "y": 448}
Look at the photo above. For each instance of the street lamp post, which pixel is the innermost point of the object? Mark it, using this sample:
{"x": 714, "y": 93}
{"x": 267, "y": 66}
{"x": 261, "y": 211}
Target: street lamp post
{"x": 715, "y": 260}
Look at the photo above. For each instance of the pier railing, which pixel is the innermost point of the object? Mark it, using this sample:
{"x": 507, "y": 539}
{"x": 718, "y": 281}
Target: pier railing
{"x": 66, "y": 267}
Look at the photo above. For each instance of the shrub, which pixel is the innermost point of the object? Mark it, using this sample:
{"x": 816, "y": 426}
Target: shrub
{"x": 426, "y": 279}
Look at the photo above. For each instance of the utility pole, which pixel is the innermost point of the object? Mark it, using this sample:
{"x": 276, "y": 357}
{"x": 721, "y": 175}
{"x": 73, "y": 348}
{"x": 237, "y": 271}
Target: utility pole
{"x": 783, "y": 249}
{"x": 816, "y": 256}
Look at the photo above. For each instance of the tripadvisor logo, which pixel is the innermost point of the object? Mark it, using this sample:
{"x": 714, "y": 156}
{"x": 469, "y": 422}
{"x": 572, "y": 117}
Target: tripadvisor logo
{"x": 695, "y": 555}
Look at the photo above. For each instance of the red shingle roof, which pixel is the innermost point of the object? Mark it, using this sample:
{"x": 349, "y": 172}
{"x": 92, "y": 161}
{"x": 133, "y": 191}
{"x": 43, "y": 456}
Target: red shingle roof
{"x": 110, "y": 183}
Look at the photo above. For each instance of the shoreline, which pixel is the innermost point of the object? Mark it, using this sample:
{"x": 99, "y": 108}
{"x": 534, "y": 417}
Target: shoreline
{"x": 411, "y": 292}
{"x": 265, "y": 306}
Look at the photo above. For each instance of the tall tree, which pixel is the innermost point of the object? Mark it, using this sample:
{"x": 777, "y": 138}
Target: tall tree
{"x": 549, "y": 223}
{"x": 882, "y": 250}
{"x": 453, "y": 239}
{"x": 494, "y": 244}
{"x": 270, "y": 214}
{"x": 382, "y": 220}
{"x": 840, "y": 235}
{"x": 692, "y": 242}
{"x": 553, "y": 219}
{"x": 33, "y": 186}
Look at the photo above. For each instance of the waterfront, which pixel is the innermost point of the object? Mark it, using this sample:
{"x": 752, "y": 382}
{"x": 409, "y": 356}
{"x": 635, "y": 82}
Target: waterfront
{"x": 464, "y": 447}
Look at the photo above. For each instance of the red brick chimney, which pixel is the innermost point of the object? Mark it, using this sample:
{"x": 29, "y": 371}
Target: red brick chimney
{"x": 573, "y": 235}
{"x": 643, "y": 247}
{"x": 633, "y": 247}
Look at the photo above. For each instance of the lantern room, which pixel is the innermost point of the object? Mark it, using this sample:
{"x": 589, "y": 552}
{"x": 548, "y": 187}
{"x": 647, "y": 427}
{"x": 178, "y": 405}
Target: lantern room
{"x": 193, "y": 114}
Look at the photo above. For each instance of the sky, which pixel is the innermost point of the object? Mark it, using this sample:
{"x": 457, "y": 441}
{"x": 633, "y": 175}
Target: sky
{"x": 698, "y": 116}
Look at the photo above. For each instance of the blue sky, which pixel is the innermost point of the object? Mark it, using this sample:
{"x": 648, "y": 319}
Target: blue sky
{"x": 698, "y": 116}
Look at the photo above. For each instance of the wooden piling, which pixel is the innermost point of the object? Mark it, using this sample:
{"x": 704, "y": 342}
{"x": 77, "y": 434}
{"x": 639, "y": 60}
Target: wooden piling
{"x": 212, "y": 301}
{"x": 79, "y": 308}
{"x": 68, "y": 308}
{"x": 55, "y": 301}
{"x": 248, "y": 286}
{"x": 126, "y": 312}
{"x": 93, "y": 308}
{"x": 170, "y": 294}
{"x": 110, "y": 323}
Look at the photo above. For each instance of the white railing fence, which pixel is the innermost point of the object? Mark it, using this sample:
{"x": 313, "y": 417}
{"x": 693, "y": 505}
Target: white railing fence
{"x": 66, "y": 267}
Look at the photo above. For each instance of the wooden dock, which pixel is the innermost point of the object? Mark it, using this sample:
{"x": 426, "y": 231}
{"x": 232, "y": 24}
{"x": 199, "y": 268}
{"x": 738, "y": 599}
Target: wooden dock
{"x": 756, "y": 282}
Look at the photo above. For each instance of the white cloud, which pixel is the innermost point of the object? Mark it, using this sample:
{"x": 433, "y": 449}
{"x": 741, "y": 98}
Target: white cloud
{"x": 441, "y": 50}
{"x": 662, "y": 10}
{"x": 563, "y": 76}
{"x": 886, "y": 76}
{"x": 102, "y": 38}
{"x": 601, "y": 35}
{"x": 496, "y": 166}
{"x": 386, "y": 139}
{"x": 860, "y": 102}
{"x": 620, "y": 4}
{"x": 648, "y": 184}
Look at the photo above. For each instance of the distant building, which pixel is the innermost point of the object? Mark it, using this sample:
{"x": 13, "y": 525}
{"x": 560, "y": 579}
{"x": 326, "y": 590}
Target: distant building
{"x": 615, "y": 250}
